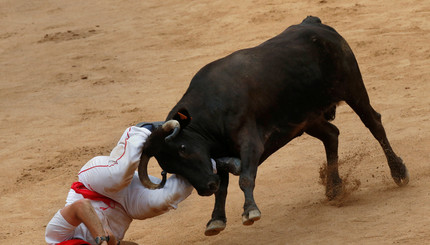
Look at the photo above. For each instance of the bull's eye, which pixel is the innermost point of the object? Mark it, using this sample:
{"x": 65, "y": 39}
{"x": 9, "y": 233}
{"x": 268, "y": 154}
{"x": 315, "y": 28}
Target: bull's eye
{"x": 182, "y": 148}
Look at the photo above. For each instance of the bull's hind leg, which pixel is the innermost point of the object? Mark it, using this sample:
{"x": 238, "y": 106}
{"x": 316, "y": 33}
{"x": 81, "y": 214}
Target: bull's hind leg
{"x": 372, "y": 119}
{"x": 218, "y": 220}
{"x": 328, "y": 134}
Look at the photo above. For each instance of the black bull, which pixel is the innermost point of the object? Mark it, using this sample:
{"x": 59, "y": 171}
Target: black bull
{"x": 254, "y": 101}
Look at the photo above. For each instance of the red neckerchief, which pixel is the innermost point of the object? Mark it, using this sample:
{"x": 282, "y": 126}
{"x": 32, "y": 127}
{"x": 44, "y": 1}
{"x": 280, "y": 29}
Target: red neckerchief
{"x": 74, "y": 242}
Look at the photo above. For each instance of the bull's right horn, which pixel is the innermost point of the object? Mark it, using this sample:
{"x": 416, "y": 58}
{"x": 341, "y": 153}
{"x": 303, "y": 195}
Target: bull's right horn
{"x": 171, "y": 125}
{"x": 143, "y": 174}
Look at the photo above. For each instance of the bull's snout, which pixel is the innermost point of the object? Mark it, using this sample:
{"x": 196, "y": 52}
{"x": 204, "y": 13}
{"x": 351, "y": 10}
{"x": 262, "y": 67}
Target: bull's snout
{"x": 213, "y": 186}
{"x": 210, "y": 188}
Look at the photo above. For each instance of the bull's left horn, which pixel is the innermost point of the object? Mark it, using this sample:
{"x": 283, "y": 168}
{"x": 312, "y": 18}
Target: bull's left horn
{"x": 143, "y": 174}
{"x": 171, "y": 125}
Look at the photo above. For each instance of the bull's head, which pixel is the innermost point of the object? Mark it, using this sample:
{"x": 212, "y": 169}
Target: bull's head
{"x": 181, "y": 151}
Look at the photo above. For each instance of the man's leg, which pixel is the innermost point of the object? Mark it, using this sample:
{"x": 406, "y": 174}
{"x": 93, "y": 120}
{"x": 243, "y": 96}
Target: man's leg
{"x": 109, "y": 175}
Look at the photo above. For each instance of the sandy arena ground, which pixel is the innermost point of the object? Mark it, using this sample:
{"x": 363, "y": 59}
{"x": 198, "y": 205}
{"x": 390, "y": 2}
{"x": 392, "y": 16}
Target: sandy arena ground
{"x": 75, "y": 74}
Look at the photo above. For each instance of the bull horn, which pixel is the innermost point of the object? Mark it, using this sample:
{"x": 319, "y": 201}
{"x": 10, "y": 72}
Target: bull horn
{"x": 143, "y": 174}
{"x": 171, "y": 125}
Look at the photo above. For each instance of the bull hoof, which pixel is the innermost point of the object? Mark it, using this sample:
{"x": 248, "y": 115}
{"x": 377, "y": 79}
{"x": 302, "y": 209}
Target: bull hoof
{"x": 252, "y": 216}
{"x": 215, "y": 227}
{"x": 334, "y": 191}
{"x": 402, "y": 181}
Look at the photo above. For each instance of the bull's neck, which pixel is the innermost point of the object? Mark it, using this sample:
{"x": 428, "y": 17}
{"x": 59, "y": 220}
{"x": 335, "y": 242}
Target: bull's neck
{"x": 210, "y": 136}
{"x": 205, "y": 132}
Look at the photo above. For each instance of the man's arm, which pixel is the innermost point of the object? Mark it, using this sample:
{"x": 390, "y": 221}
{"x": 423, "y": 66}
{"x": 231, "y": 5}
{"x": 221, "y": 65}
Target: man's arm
{"x": 82, "y": 211}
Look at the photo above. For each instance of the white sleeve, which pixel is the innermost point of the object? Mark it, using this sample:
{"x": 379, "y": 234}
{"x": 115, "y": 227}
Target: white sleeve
{"x": 144, "y": 203}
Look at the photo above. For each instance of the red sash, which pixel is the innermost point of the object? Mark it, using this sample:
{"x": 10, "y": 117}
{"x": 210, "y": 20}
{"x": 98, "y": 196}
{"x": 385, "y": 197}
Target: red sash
{"x": 80, "y": 188}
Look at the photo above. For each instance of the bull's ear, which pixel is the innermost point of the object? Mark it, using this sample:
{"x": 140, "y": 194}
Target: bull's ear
{"x": 183, "y": 117}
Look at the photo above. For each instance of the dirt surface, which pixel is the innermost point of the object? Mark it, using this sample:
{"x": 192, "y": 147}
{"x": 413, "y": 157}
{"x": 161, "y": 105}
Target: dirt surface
{"x": 75, "y": 74}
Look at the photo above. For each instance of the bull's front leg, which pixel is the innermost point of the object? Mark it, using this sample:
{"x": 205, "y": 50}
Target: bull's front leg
{"x": 250, "y": 155}
{"x": 219, "y": 220}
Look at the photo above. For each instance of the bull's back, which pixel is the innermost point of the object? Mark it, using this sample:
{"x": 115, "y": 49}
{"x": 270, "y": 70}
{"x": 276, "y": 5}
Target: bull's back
{"x": 283, "y": 80}
{"x": 280, "y": 84}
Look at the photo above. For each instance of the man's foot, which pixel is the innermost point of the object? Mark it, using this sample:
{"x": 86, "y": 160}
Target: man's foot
{"x": 230, "y": 164}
